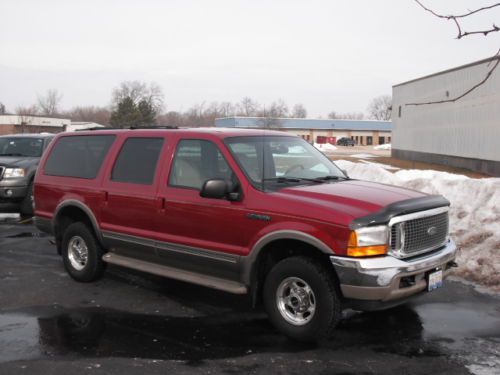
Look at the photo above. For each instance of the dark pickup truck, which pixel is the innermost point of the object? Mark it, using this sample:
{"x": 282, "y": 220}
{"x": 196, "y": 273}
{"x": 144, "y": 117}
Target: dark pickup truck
{"x": 19, "y": 158}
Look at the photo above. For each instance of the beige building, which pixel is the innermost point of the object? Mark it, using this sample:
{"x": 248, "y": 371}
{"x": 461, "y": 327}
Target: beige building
{"x": 16, "y": 124}
{"x": 363, "y": 132}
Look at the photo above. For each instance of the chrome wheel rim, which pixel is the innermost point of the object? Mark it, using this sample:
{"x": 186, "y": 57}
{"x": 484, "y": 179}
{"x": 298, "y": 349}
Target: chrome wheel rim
{"x": 78, "y": 253}
{"x": 296, "y": 301}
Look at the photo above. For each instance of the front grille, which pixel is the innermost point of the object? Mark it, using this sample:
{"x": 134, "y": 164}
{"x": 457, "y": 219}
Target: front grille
{"x": 418, "y": 235}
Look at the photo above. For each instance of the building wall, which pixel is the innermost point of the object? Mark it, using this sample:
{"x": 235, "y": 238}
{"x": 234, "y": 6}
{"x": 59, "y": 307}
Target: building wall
{"x": 18, "y": 129}
{"x": 466, "y": 129}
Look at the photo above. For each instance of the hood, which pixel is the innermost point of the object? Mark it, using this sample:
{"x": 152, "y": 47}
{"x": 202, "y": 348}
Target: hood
{"x": 350, "y": 199}
{"x": 18, "y": 161}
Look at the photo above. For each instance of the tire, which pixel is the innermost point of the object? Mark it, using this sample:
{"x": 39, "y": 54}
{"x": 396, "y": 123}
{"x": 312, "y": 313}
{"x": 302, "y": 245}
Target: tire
{"x": 78, "y": 241}
{"x": 304, "y": 272}
{"x": 26, "y": 208}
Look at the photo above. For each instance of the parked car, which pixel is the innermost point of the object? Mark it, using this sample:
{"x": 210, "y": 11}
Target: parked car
{"x": 244, "y": 211}
{"x": 19, "y": 157}
{"x": 345, "y": 142}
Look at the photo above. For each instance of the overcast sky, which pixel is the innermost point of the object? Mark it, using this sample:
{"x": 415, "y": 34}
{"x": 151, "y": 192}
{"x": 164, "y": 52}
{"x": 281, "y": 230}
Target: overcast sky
{"x": 328, "y": 55}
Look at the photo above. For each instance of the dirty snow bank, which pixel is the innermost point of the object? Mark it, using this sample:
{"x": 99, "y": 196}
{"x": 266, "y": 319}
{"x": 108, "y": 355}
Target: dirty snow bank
{"x": 474, "y": 213}
{"x": 386, "y": 146}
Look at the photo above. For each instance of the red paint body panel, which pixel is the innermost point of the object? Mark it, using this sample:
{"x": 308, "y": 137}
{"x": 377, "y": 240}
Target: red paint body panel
{"x": 179, "y": 215}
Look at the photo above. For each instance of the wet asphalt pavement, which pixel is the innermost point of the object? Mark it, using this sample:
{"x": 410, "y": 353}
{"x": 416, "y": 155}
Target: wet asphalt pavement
{"x": 132, "y": 323}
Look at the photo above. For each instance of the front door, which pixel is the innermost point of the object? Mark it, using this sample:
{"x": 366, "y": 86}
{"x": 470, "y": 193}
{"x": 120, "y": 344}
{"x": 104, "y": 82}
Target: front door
{"x": 195, "y": 233}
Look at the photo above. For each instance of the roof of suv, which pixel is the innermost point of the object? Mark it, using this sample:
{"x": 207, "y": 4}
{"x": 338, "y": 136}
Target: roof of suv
{"x": 217, "y": 132}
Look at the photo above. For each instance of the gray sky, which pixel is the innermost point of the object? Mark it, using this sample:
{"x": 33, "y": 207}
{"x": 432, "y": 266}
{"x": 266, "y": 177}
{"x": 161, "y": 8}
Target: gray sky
{"x": 328, "y": 55}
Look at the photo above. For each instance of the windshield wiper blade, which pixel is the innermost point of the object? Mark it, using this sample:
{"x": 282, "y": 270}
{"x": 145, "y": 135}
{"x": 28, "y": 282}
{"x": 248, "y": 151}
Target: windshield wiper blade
{"x": 282, "y": 179}
{"x": 12, "y": 154}
{"x": 327, "y": 178}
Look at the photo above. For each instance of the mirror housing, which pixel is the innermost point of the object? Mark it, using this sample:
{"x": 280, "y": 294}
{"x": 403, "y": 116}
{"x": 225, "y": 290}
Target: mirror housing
{"x": 215, "y": 189}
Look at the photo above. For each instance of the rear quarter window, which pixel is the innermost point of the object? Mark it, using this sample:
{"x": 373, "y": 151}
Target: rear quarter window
{"x": 79, "y": 156}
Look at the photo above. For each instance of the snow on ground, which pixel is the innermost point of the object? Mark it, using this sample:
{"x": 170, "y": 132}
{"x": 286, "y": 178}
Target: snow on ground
{"x": 386, "y": 146}
{"x": 325, "y": 147}
{"x": 474, "y": 213}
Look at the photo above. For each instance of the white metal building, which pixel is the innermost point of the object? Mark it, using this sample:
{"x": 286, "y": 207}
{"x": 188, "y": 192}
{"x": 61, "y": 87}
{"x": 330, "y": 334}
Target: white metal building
{"x": 13, "y": 124}
{"x": 465, "y": 133}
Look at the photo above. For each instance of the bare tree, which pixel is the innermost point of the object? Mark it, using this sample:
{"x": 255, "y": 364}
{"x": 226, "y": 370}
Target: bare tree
{"x": 461, "y": 33}
{"x": 268, "y": 118}
{"x": 346, "y": 116}
{"x": 99, "y": 115}
{"x": 2, "y": 108}
{"x": 248, "y": 107}
{"x": 299, "y": 111}
{"x": 139, "y": 91}
{"x": 49, "y": 103}
{"x": 380, "y": 108}
{"x": 226, "y": 109}
{"x": 26, "y": 115}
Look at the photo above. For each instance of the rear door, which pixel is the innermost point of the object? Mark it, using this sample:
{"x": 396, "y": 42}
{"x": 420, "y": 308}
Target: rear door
{"x": 129, "y": 190}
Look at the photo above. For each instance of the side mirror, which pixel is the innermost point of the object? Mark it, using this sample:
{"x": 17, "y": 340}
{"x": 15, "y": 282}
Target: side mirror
{"x": 216, "y": 189}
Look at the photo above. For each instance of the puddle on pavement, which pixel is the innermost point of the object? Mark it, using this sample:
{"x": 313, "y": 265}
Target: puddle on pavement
{"x": 27, "y": 235}
{"x": 97, "y": 332}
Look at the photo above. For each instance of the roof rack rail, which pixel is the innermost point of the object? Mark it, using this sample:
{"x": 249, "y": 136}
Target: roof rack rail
{"x": 128, "y": 128}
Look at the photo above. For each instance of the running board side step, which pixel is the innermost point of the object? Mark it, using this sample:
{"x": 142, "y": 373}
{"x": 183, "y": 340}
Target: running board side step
{"x": 175, "y": 273}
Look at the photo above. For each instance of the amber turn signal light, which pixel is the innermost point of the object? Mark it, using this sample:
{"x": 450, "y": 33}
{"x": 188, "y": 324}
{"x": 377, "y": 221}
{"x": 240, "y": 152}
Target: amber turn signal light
{"x": 353, "y": 250}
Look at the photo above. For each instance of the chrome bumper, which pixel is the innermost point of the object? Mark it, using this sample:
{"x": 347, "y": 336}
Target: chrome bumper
{"x": 387, "y": 278}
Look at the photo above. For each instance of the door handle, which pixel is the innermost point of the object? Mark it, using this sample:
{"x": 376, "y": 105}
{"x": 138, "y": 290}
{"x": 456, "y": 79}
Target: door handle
{"x": 106, "y": 196}
{"x": 162, "y": 204}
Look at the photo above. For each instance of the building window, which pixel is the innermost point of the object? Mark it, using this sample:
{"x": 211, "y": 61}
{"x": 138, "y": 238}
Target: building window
{"x": 399, "y": 111}
{"x": 369, "y": 140}
{"x": 389, "y": 139}
{"x": 381, "y": 140}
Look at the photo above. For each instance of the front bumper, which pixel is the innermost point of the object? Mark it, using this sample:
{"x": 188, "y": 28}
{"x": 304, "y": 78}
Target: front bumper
{"x": 11, "y": 197}
{"x": 388, "y": 280}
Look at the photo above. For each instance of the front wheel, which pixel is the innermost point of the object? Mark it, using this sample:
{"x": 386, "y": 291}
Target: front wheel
{"x": 302, "y": 299}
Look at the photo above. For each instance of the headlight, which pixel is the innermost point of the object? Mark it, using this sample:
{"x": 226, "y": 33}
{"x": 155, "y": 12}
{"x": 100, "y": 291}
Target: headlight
{"x": 13, "y": 173}
{"x": 368, "y": 241}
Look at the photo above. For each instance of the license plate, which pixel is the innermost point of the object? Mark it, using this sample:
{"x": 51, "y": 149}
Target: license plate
{"x": 435, "y": 280}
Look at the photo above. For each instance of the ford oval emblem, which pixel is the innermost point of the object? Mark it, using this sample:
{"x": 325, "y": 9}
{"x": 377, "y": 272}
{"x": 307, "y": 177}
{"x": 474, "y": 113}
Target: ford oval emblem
{"x": 431, "y": 231}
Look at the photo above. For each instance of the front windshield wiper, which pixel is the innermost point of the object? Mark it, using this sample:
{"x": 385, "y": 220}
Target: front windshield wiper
{"x": 12, "y": 154}
{"x": 283, "y": 179}
{"x": 328, "y": 178}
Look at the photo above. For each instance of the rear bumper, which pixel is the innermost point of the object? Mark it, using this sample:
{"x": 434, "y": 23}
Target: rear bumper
{"x": 387, "y": 280}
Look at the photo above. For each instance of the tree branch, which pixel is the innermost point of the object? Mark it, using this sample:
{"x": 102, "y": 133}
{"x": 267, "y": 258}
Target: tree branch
{"x": 456, "y": 18}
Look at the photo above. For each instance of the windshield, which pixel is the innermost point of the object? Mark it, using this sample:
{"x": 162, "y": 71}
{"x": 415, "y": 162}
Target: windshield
{"x": 17, "y": 146}
{"x": 271, "y": 160}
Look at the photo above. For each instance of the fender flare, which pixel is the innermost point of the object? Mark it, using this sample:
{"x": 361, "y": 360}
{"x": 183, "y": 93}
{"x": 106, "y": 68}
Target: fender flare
{"x": 85, "y": 209}
{"x": 248, "y": 262}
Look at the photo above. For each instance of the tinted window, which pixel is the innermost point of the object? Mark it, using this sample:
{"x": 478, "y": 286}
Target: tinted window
{"x": 136, "y": 162}
{"x": 78, "y": 156}
{"x": 197, "y": 161}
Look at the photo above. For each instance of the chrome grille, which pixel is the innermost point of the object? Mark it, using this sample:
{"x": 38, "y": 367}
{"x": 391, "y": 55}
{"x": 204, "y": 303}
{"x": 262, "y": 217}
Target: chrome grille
{"x": 419, "y": 233}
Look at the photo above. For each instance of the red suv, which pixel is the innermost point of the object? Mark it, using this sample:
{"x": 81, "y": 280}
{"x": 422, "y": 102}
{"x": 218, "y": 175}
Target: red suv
{"x": 244, "y": 211}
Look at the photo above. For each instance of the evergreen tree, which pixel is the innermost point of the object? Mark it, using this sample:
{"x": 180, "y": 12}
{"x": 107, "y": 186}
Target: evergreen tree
{"x": 126, "y": 114}
{"x": 148, "y": 113}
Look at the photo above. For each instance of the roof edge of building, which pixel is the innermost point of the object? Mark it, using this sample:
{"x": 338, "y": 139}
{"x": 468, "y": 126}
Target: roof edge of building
{"x": 479, "y": 62}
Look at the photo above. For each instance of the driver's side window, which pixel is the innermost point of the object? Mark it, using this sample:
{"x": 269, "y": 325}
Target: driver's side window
{"x": 197, "y": 161}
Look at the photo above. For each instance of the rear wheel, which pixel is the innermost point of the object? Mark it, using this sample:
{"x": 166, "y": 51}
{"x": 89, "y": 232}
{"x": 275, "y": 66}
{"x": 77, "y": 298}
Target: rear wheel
{"x": 82, "y": 253}
{"x": 302, "y": 299}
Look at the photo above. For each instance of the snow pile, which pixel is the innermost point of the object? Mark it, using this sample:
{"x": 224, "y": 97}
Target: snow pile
{"x": 474, "y": 213}
{"x": 386, "y": 146}
{"x": 325, "y": 147}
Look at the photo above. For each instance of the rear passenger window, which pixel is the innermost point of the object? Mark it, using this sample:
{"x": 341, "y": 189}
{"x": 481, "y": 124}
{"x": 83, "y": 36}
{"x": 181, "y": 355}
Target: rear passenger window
{"x": 79, "y": 156}
{"x": 136, "y": 162}
{"x": 197, "y": 161}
